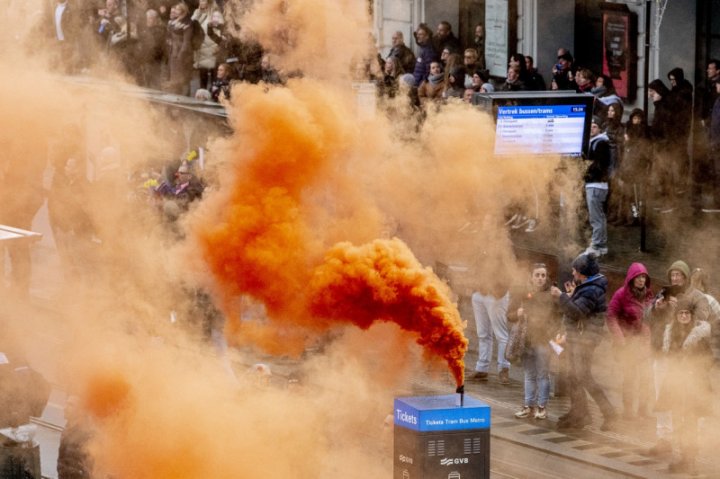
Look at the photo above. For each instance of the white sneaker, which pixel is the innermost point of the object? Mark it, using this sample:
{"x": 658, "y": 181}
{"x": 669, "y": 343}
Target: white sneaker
{"x": 526, "y": 411}
{"x": 520, "y": 221}
{"x": 512, "y": 219}
{"x": 540, "y": 413}
{"x": 596, "y": 251}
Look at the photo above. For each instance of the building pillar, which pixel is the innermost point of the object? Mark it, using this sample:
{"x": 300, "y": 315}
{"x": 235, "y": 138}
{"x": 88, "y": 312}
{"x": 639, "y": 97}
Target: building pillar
{"x": 554, "y": 28}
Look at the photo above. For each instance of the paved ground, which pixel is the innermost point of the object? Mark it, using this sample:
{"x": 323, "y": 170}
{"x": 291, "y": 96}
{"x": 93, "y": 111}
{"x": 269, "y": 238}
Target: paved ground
{"x": 681, "y": 234}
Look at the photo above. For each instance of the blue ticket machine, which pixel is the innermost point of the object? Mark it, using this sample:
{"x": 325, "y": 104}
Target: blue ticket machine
{"x": 436, "y": 438}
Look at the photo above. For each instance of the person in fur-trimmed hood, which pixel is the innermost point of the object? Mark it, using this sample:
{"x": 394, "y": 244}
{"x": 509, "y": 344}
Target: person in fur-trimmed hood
{"x": 686, "y": 390}
{"x": 658, "y": 317}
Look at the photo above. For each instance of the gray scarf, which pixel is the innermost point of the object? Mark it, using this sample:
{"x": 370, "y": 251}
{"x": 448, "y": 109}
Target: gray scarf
{"x": 436, "y": 79}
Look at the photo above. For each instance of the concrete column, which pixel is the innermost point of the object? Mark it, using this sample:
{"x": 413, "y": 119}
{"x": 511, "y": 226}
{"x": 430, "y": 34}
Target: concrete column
{"x": 527, "y": 28}
{"x": 555, "y": 28}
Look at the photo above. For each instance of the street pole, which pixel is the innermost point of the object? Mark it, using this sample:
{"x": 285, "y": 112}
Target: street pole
{"x": 646, "y": 63}
{"x": 646, "y": 73}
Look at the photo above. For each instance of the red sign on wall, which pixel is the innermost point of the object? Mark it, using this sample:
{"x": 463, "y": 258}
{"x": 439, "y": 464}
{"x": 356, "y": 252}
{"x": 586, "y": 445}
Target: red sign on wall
{"x": 620, "y": 49}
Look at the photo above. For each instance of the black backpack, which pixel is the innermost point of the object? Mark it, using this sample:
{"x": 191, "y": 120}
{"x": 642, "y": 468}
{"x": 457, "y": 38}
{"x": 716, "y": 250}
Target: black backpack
{"x": 198, "y": 34}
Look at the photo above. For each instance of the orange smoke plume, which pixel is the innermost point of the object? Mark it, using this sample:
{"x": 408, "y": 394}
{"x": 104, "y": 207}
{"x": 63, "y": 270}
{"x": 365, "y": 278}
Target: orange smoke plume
{"x": 260, "y": 244}
{"x": 382, "y": 281}
{"x": 105, "y": 393}
{"x": 258, "y": 239}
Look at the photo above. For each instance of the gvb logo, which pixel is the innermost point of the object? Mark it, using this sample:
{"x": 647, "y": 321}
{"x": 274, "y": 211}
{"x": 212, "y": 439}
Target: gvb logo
{"x": 453, "y": 461}
{"x": 405, "y": 459}
{"x": 406, "y": 474}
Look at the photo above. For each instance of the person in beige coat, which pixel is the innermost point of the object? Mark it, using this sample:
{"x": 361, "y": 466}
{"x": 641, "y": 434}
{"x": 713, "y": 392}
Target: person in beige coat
{"x": 432, "y": 88}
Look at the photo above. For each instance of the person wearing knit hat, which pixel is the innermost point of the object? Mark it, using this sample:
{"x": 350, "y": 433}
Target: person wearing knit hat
{"x": 685, "y": 390}
{"x": 681, "y": 267}
{"x": 586, "y": 264}
{"x": 583, "y": 307}
{"x": 598, "y": 121}
{"x": 659, "y": 316}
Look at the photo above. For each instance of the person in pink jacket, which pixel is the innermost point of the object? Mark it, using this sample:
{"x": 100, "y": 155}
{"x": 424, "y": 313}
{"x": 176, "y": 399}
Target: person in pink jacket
{"x": 631, "y": 338}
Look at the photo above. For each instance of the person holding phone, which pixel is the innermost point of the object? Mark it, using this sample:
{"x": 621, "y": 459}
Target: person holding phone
{"x": 584, "y": 306}
{"x": 658, "y": 317}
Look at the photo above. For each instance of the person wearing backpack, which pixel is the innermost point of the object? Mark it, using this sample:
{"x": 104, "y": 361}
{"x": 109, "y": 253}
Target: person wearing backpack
{"x": 205, "y": 49}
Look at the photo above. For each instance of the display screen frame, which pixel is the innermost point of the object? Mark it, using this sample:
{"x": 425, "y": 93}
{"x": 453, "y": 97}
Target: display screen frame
{"x": 492, "y": 102}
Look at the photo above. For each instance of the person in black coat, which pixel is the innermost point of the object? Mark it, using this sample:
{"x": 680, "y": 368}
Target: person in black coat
{"x": 681, "y": 100}
{"x": 220, "y": 88}
{"x": 705, "y": 96}
{"x": 400, "y": 51}
{"x": 445, "y": 38}
{"x": 245, "y": 57}
{"x": 681, "y": 96}
{"x": 152, "y": 50}
{"x": 563, "y": 72}
{"x": 426, "y": 55}
{"x": 597, "y": 178}
{"x": 664, "y": 133}
{"x": 584, "y": 308}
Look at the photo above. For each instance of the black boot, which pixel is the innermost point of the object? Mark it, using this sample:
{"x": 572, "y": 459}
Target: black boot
{"x": 609, "y": 422}
{"x": 573, "y": 422}
{"x": 678, "y": 465}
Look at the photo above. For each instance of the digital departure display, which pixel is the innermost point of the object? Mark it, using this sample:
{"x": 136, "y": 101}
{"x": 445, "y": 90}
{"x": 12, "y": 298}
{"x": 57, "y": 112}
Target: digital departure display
{"x": 540, "y": 129}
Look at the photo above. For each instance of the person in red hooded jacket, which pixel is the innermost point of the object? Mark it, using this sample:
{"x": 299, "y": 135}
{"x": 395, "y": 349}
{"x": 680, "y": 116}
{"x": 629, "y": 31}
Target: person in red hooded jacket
{"x": 631, "y": 338}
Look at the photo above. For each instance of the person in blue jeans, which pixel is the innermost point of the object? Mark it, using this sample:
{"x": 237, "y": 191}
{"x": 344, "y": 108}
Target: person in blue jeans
{"x": 597, "y": 177}
{"x": 490, "y": 311}
{"x": 538, "y": 309}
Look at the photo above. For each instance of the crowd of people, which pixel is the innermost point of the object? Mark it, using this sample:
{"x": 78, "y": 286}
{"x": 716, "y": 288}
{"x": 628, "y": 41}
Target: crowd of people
{"x": 181, "y": 47}
{"x": 668, "y": 337}
{"x": 195, "y": 47}
{"x": 634, "y": 160}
